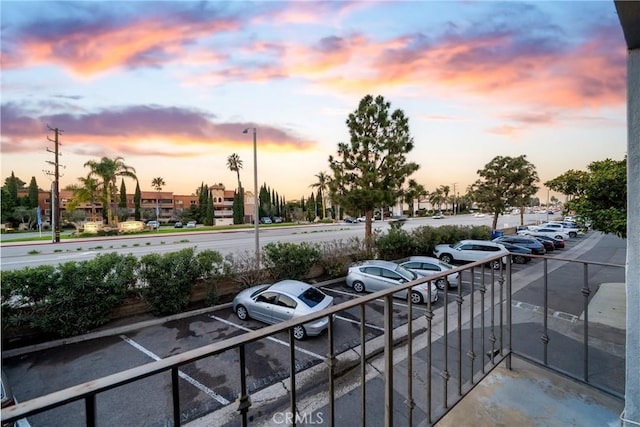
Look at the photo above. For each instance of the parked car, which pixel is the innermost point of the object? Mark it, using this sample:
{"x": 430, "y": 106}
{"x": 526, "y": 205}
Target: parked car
{"x": 266, "y": 220}
{"x": 178, "y": 224}
{"x": 551, "y": 232}
{"x": 428, "y": 266}
{"x": 277, "y": 220}
{"x": 281, "y": 301}
{"x": 154, "y": 225}
{"x": 364, "y": 219}
{"x": 191, "y": 224}
{"x": 518, "y": 253}
{"x": 471, "y": 251}
{"x": 350, "y": 220}
{"x": 376, "y": 275}
{"x": 557, "y": 243}
{"x": 438, "y": 216}
{"x": 536, "y": 247}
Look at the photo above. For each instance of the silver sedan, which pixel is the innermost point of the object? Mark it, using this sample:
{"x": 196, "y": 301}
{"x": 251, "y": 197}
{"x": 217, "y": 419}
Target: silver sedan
{"x": 428, "y": 266}
{"x": 281, "y": 301}
{"x": 376, "y": 275}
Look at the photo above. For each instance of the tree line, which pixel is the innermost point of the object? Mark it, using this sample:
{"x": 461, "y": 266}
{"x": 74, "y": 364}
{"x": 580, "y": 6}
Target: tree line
{"x": 369, "y": 172}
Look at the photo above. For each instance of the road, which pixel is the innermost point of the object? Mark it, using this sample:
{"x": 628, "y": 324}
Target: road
{"x": 212, "y": 383}
{"x": 17, "y": 255}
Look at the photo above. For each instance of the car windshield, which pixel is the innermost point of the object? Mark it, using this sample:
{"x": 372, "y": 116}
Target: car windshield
{"x": 311, "y": 297}
{"x": 456, "y": 245}
{"x": 407, "y": 274}
{"x": 260, "y": 290}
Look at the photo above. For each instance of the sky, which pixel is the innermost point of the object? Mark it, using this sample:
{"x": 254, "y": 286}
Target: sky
{"x": 170, "y": 86}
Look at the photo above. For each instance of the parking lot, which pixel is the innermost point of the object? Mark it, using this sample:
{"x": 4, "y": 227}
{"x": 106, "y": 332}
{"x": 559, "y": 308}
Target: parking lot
{"x": 211, "y": 383}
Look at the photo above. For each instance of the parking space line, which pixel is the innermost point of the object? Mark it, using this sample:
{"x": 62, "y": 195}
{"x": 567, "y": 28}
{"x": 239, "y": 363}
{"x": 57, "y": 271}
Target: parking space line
{"x": 244, "y": 328}
{"x": 206, "y": 390}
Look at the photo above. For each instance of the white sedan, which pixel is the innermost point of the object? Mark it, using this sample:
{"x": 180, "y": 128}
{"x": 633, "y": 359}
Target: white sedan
{"x": 543, "y": 231}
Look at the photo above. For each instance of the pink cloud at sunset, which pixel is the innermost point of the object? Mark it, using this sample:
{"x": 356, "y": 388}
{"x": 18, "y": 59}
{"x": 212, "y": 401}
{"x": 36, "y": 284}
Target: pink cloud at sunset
{"x": 177, "y": 82}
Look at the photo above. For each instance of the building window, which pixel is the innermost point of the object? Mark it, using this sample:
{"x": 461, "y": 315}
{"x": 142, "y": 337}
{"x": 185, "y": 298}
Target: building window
{"x": 192, "y": 202}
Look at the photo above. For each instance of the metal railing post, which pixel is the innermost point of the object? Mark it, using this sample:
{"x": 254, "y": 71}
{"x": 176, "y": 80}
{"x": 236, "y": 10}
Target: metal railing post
{"x": 331, "y": 361}
{"x": 90, "y": 410}
{"x": 509, "y": 314}
{"x": 363, "y": 370}
{"x": 292, "y": 375}
{"x": 471, "y": 354}
{"x": 429, "y": 316}
{"x": 388, "y": 360}
{"x": 459, "y": 301}
{"x": 444, "y": 373}
{"x": 409, "y": 401}
{"x": 586, "y": 292}
{"x": 483, "y": 291}
{"x": 545, "y": 331}
{"x": 244, "y": 402}
{"x": 175, "y": 394}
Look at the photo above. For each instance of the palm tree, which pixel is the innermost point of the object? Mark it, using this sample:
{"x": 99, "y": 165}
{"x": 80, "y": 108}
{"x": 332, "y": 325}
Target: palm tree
{"x": 107, "y": 171}
{"x": 158, "y": 183}
{"x": 435, "y": 198}
{"x": 235, "y": 164}
{"x": 87, "y": 191}
{"x": 412, "y": 192}
{"x": 323, "y": 186}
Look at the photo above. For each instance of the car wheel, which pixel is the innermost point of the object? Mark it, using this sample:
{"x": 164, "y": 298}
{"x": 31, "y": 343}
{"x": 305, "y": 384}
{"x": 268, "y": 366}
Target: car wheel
{"x": 446, "y": 258}
{"x": 519, "y": 259}
{"x": 573, "y": 234}
{"x": 416, "y": 298}
{"x": 299, "y": 333}
{"x": 496, "y": 264}
{"x": 441, "y": 283}
{"x": 242, "y": 312}
{"x": 358, "y": 286}
{"x": 558, "y": 237}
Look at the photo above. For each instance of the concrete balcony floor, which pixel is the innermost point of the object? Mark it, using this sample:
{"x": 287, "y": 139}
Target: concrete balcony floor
{"x": 530, "y": 395}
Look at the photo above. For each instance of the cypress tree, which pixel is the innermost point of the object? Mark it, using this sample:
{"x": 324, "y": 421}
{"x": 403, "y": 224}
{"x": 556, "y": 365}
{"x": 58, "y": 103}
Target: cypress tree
{"x": 33, "y": 193}
{"x": 137, "y": 200}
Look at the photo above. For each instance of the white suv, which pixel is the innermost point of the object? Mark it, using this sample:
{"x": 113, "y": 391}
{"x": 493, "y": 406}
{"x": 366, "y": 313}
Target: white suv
{"x": 471, "y": 251}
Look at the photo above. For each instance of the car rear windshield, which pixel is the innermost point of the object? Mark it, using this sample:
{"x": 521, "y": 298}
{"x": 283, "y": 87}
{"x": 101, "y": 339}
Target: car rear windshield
{"x": 311, "y": 297}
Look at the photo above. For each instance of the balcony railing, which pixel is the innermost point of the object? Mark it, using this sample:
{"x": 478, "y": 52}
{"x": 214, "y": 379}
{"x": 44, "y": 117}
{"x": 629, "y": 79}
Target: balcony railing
{"x": 462, "y": 340}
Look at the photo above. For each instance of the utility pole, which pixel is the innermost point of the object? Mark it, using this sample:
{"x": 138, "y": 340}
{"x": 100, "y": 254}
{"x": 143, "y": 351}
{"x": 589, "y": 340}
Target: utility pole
{"x": 55, "y": 186}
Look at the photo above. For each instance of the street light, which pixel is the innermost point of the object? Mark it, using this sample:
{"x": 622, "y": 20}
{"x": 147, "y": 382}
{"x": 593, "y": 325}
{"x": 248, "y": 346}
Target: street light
{"x": 255, "y": 194}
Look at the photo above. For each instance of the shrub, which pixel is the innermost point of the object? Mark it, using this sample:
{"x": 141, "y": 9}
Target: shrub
{"x": 87, "y": 292}
{"x": 75, "y": 299}
{"x": 167, "y": 280}
{"x": 24, "y": 292}
{"x": 211, "y": 267}
{"x": 335, "y": 257}
{"x": 286, "y": 260}
{"x": 243, "y": 269}
{"x": 395, "y": 244}
{"x": 425, "y": 238}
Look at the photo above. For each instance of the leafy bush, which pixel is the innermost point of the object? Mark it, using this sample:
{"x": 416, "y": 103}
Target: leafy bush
{"x": 425, "y": 238}
{"x": 74, "y": 299}
{"x": 243, "y": 269}
{"x": 24, "y": 293}
{"x": 167, "y": 280}
{"x": 395, "y": 244}
{"x": 335, "y": 257}
{"x": 286, "y": 260}
{"x": 211, "y": 267}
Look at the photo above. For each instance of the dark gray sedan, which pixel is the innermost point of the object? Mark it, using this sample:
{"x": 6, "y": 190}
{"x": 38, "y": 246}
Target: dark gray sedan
{"x": 283, "y": 301}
